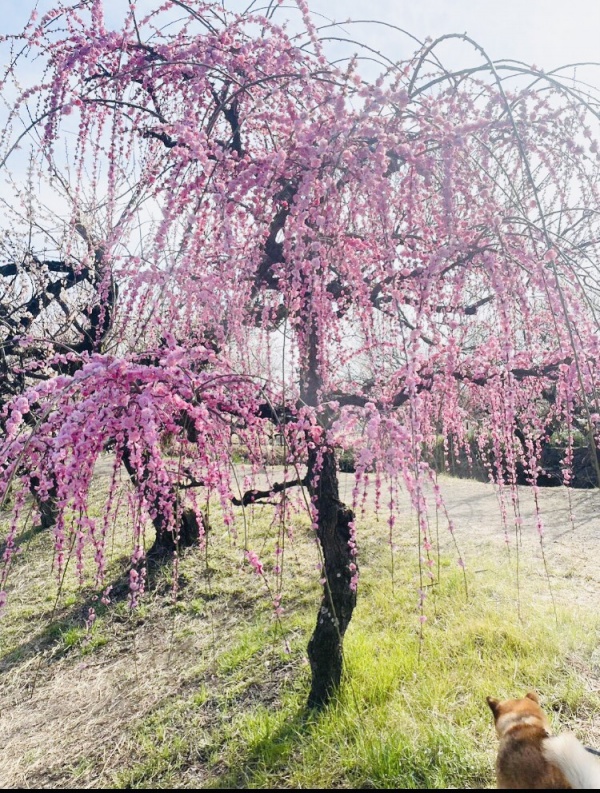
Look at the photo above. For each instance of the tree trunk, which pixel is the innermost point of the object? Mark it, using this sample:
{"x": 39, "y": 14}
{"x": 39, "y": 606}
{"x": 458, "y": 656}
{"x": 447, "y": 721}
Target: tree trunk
{"x": 325, "y": 648}
{"x": 166, "y": 542}
{"x": 48, "y": 509}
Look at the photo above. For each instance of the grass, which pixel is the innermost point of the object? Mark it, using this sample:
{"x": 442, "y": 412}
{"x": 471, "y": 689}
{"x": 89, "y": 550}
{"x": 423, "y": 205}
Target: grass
{"x": 206, "y": 689}
{"x": 412, "y": 711}
{"x": 411, "y": 714}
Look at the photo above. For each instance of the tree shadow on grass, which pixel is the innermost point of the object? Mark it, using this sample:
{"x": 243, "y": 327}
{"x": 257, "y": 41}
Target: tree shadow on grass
{"x": 67, "y": 626}
{"x": 387, "y": 764}
{"x": 24, "y": 538}
{"x": 268, "y": 755}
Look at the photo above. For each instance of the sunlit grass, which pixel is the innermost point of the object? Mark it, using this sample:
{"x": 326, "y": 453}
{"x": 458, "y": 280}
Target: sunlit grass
{"x": 411, "y": 712}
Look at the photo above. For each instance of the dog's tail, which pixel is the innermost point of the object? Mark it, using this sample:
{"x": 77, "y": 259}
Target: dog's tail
{"x": 581, "y": 768}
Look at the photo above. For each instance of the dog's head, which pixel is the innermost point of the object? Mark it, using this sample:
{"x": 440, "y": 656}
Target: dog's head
{"x": 512, "y": 712}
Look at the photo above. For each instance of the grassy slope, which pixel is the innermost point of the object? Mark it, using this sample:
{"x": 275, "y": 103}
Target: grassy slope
{"x": 207, "y": 689}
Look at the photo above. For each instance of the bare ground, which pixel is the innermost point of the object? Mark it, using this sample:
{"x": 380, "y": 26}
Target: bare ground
{"x": 44, "y": 728}
{"x": 570, "y": 523}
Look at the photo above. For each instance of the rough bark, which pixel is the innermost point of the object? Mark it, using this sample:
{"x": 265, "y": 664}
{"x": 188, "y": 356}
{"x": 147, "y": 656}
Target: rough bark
{"x": 48, "y": 509}
{"x": 166, "y": 542}
{"x": 325, "y": 648}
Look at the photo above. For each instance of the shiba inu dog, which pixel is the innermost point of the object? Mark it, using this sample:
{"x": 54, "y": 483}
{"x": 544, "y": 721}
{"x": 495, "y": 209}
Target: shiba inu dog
{"x": 522, "y": 729}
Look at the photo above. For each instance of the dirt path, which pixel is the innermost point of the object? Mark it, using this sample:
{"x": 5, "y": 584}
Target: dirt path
{"x": 570, "y": 520}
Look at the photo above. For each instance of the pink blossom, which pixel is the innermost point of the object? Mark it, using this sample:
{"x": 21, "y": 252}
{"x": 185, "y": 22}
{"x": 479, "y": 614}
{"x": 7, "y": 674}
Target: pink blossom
{"x": 253, "y": 559}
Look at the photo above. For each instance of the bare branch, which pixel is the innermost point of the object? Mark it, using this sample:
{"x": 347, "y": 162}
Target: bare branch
{"x": 252, "y": 496}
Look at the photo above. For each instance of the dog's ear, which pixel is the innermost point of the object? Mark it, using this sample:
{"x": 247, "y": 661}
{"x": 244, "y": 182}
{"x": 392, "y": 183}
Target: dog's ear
{"x": 533, "y": 696}
{"x": 493, "y": 703}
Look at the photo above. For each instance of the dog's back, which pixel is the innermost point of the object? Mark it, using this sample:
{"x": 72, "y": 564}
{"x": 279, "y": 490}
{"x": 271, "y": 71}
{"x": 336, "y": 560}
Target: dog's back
{"x": 581, "y": 769}
{"x": 521, "y": 764}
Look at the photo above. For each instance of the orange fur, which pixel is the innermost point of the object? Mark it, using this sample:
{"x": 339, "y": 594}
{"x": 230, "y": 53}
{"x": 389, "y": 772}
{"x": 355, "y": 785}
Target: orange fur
{"x": 522, "y": 727}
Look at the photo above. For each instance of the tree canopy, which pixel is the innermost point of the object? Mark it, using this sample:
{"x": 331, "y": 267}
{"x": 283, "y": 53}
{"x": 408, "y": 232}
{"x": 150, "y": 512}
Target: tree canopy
{"x": 361, "y": 264}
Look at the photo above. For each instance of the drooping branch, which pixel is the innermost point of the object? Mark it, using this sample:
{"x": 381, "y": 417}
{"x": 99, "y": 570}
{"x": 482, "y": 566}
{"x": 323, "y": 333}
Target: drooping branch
{"x": 162, "y": 136}
{"x": 252, "y": 496}
{"x": 427, "y": 381}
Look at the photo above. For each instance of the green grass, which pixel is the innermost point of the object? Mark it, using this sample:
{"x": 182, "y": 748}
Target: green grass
{"x": 411, "y": 712}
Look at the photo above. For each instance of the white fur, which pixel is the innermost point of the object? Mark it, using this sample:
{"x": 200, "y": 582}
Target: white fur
{"x": 579, "y": 766}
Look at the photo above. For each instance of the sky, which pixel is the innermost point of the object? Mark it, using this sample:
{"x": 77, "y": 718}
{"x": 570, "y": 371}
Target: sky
{"x": 547, "y": 33}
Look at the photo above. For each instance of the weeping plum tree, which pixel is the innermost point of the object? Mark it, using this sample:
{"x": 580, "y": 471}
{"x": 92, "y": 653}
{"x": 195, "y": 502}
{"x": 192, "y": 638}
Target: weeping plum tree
{"x": 365, "y": 264}
{"x": 58, "y": 297}
{"x": 53, "y": 305}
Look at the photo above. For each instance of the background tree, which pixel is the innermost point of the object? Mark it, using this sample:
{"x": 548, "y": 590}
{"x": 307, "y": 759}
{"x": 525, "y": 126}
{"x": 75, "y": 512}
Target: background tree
{"x": 57, "y": 295}
{"x": 59, "y": 298}
{"x": 362, "y": 264}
